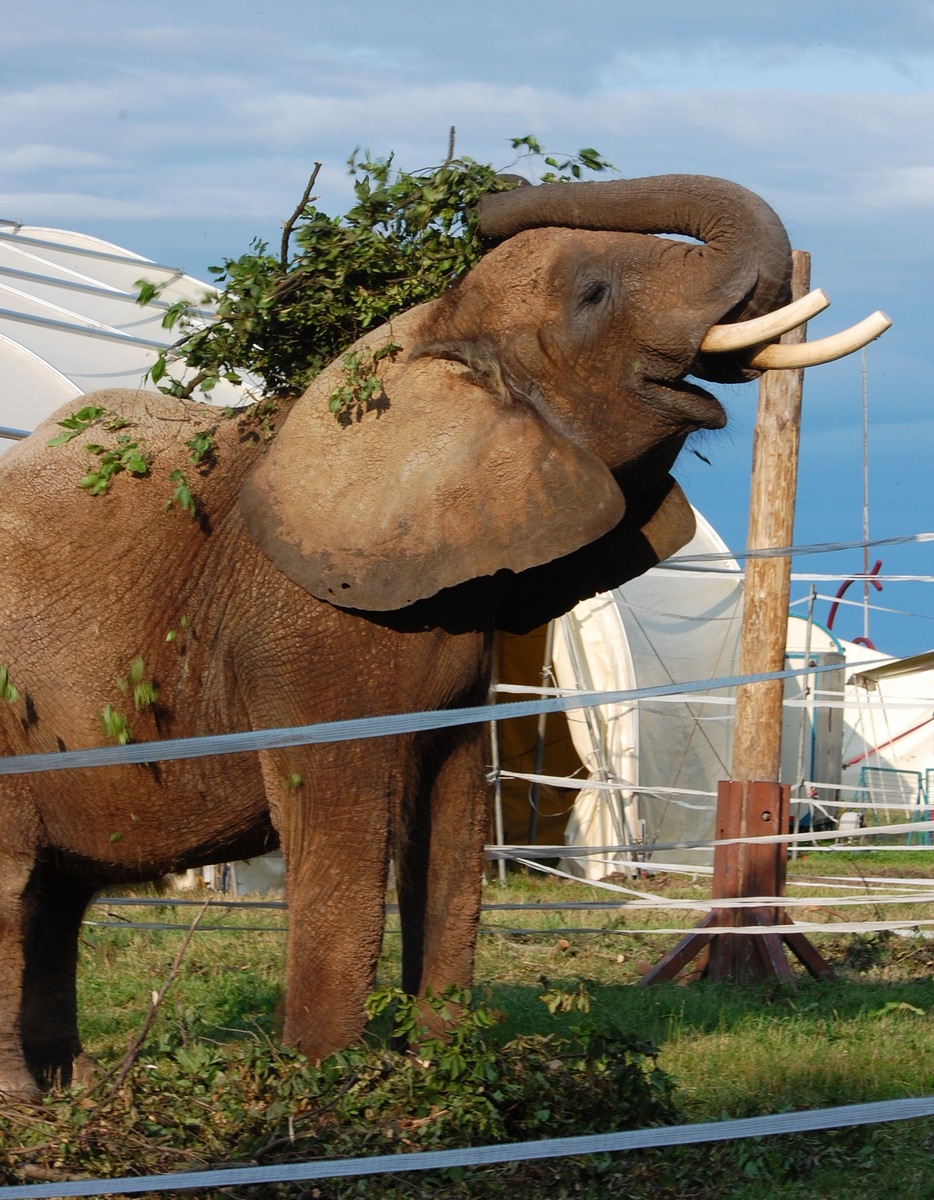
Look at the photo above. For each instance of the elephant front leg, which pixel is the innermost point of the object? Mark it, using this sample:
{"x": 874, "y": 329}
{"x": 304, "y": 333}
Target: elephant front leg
{"x": 49, "y": 1020}
{"x": 440, "y": 873}
{"x": 334, "y": 830}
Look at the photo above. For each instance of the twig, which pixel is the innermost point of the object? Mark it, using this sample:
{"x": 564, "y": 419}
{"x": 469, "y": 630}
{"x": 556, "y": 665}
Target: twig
{"x": 281, "y": 1142}
{"x": 290, "y": 223}
{"x": 48, "y": 1174}
{"x": 450, "y": 146}
{"x": 157, "y": 997}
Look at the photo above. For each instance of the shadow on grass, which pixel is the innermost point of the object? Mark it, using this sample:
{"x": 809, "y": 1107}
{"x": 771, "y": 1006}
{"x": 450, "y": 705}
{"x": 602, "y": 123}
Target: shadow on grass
{"x": 704, "y": 1007}
{"x": 220, "y": 1005}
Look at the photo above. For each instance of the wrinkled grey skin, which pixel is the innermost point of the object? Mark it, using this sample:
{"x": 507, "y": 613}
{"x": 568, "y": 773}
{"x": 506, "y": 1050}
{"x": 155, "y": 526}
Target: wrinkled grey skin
{"x": 348, "y": 572}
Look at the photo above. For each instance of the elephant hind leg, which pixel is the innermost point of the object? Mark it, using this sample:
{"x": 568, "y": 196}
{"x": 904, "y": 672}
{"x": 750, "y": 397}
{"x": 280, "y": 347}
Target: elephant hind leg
{"x": 55, "y": 905}
{"x": 440, "y": 864}
{"x": 15, "y": 1078}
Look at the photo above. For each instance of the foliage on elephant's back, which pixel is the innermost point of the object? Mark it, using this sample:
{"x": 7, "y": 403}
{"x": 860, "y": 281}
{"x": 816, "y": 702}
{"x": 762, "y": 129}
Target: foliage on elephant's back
{"x": 121, "y": 435}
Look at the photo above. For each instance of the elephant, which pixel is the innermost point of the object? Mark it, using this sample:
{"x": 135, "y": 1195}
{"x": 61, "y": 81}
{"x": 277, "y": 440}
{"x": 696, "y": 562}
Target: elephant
{"x": 515, "y": 458}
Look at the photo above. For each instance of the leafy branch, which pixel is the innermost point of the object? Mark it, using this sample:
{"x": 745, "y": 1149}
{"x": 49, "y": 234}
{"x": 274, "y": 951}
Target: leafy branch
{"x": 407, "y": 238}
{"x": 362, "y": 389}
{"x": 299, "y": 212}
{"x": 126, "y": 455}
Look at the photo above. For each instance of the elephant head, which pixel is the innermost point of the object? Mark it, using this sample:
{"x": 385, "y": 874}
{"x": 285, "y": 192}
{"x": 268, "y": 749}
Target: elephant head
{"x": 528, "y": 406}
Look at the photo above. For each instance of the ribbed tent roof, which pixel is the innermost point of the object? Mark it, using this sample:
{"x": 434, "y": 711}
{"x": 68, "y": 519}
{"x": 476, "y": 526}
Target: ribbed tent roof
{"x": 70, "y": 323}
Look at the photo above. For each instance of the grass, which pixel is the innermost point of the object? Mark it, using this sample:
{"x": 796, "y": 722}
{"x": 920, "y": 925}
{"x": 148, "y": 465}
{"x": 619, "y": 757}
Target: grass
{"x": 729, "y": 1051}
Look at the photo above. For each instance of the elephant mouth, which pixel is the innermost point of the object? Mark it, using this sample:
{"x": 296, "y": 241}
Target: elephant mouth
{"x": 686, "y": 404}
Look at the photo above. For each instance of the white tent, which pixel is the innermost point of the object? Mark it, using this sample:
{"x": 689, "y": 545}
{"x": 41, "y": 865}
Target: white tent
{"x": 70, "y": 322}
{"x": 857, "y": 734}
{"x": 677, "y": 623}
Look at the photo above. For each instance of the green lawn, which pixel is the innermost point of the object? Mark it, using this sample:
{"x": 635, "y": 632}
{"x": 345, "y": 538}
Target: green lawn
{"x": 727, "y": 1051}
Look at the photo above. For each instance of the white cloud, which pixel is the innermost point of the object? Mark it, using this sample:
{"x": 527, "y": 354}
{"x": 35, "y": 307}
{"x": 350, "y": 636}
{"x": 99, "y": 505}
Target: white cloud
{"x": 70, "y": 209}
{"x": 38, "y": 156}
{"x": 901, "y": 188}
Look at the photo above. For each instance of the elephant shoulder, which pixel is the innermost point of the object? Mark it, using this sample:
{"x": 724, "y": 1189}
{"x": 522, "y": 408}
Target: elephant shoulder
{"x": 122, "y": 460}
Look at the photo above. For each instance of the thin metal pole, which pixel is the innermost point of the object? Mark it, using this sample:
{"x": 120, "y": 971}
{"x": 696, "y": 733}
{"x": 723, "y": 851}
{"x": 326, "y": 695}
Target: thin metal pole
{"x": 865, "y": 496}
{"x": 547, "y": 675}
{"x": 499, "y": 825}
{"x": 806, "y": 710}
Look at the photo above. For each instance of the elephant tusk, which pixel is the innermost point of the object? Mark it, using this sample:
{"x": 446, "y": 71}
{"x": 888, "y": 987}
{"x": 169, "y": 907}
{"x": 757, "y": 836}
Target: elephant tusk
{"x": 776, "y": 357}
{"x": 742, "y": 334}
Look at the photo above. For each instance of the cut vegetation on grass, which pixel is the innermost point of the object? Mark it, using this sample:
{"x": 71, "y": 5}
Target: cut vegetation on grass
{"x": 560, "y": 1041}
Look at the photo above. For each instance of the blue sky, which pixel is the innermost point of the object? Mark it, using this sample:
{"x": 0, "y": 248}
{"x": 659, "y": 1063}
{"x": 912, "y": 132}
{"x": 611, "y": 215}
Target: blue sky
{"x": 181, "y": 130}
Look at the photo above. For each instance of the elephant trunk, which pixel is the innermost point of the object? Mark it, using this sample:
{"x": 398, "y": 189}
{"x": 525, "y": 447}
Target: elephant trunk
{"x": 741, "y": 269}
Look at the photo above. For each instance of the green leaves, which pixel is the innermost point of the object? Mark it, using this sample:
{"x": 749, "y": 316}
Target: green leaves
{"x": 115, "y": 726}
{"x": 78, "y": 422}
{"x": 148, "y": 291}
{"x": 202, "y": 447}
{"x": 8, "y": 692}
{"x": 182, "y": 495}
{"x": 145, "y": 692}
{"x": 568, "y": 167}
{"x": 127, "y": 456}
{"x": 362, "y": 389}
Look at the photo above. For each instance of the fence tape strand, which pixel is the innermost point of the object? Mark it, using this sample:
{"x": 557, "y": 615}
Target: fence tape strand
{"x": 840, "y": 1117}
{"x": 363, "y": 727}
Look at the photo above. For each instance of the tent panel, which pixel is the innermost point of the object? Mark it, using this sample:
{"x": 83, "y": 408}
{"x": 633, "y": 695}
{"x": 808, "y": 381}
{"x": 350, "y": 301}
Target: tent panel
{"x": 519, "y": 661}
{"x": 683, "y": 625}
{"x": 592, "y": 654}
{"x": 70, "y": 300}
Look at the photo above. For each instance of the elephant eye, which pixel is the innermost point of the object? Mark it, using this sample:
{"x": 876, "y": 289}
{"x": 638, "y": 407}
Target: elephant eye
{"x": 594, "y": 293}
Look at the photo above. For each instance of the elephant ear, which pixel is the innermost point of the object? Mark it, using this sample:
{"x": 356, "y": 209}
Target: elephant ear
{"x": 440, "y": 482}
{"x": 658, "y": 521}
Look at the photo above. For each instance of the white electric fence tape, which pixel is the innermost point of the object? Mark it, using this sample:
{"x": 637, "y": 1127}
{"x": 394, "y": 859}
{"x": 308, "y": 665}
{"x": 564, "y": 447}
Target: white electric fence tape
{"x": 674, "y": 564}
{"x": 363, "y": 727}
{"x": 844, "y": 1116}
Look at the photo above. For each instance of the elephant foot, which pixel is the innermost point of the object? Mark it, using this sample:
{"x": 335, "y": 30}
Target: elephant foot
{"x": 85, "y": 1069}
{"x": 61, "y": 1069}
{"x": 79, "y": 1069}
{"x": 18, "y": 1087}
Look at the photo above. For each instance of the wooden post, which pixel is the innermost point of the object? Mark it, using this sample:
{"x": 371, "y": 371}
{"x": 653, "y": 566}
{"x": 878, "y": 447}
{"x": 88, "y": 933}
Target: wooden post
{"x": 757, "y": 731}
{"x": 754, "y": 802}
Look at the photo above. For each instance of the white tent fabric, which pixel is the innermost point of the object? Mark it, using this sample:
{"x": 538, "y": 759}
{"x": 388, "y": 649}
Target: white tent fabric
{"x": 681, "y": 623}
{"x": 70, "y": 322}
{"x": 672, "y": 625}
{"x": 888, "y": 747}
{"x": 592, "y": 649}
